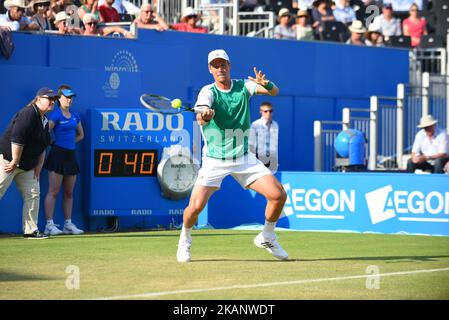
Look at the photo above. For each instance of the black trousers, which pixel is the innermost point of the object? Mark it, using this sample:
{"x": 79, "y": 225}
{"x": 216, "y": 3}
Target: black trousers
{"x": 437, "y": 168}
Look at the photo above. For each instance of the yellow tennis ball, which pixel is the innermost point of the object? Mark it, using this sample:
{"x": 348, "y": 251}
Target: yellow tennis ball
{"x": 176, "y": 103}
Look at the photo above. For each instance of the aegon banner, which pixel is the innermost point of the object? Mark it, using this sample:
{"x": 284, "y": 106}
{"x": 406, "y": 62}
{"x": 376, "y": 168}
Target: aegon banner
{"x": 367, "y": 202}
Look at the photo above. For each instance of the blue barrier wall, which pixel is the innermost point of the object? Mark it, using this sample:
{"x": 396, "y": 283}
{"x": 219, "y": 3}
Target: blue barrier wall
{"x": 316, "y": 80}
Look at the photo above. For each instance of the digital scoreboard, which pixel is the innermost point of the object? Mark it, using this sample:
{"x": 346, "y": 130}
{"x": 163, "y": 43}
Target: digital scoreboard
{"x": 125, "y": 148}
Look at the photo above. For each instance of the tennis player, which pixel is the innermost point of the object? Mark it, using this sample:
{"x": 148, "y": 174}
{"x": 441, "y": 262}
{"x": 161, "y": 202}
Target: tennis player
{"x": 225, "y": 129}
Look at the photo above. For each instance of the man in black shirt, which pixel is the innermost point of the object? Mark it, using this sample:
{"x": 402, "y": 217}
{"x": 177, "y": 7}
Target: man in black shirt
{"x": 22, "y": 154}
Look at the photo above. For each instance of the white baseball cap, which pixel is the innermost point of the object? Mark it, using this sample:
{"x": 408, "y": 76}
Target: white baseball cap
{"x": 217, "y": 54}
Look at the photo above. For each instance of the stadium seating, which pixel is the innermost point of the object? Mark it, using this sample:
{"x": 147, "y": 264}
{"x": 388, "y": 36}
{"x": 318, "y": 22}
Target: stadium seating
{"x": 431, "y": 41}
{"x": 334, "y": 31}
{"x": 398, "y": 41}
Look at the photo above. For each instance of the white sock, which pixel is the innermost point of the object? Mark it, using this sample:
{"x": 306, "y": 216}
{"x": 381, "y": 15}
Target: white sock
{"x": 268, "y": 227}
{"x": 186, "y": 233}
{"x": 68, "y": 221}
{"x": 50, "y": 221}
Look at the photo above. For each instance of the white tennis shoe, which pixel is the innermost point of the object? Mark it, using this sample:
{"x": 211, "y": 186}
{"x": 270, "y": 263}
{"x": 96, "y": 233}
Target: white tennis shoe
{"x": 271, "y": 244}
{"x": 52, "y": 230}
{"x": 70, "y": 228}
{"x": 183, "y": 254}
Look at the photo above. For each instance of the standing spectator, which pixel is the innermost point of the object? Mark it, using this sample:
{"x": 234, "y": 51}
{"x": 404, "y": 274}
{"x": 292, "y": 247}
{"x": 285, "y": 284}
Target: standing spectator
{"x": 283, "y": 29}
{"x": 357, "y": 30}
{"x": 61, "y": 162}
{"x": 42, "y": 14}
{"x": 263, "y": 138}
{"x": 388, "y": 25}
{"x": 62, "y": 26}
{"x": 148, "y": 19}
{"x": 414, "y": 26}
{"x": 22, "y": 154}
{"x": 430, "y": 149}
{"x": 89, "y": 6}
{"x": 189, "y": 21}
{"x": 343, "y": 12}
{"x": 108, "y": 13}
{"x": 374, "y": 37}
{"x": 91, "y": 25}
{"x": 302, "y": 27}
{"x": 321, "y": 12}
{"x": 14, "y": 19}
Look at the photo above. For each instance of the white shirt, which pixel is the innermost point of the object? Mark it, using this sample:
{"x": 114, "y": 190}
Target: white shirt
{"x": 263, "y": 142}
{"x": 5, "y": 21}
{"x": 438, "y": 143}
{"x": 388, "y": 28}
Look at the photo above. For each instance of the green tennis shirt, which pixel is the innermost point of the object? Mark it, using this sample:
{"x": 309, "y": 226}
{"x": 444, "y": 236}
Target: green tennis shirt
{"x": 226, "y": 135}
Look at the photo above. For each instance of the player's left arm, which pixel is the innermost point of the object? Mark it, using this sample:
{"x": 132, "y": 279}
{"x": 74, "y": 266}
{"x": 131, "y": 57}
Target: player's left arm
{"x": 265, "y": 86}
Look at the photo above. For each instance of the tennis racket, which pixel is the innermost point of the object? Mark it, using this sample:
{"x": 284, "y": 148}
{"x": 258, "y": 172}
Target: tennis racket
{"x": 164, "y": 105}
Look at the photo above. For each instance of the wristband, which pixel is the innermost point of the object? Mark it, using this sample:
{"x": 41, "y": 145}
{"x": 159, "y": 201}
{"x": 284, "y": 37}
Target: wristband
{"x": 269, "y": 85}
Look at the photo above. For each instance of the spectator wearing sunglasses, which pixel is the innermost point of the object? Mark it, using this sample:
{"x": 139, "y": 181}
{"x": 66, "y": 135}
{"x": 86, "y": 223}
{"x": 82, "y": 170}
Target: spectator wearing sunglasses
{"x": 15, "y": 19}
{"x": 61, "y": 24}
{"x": 263, "y": 138}
{"x": 22, "y": 154}
{"x": 61, "y": 164}
{"x": 92, "y": 29}
{"x": 148, "y": 19}
{"x": 42, "y": 14}
{"x": 189, "y": 22}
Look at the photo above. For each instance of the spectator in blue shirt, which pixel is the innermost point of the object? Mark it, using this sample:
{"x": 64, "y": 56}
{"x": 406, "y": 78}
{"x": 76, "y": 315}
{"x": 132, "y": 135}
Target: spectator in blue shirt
{"x": 343, "y": 12}
{"x": 61, "y": 163}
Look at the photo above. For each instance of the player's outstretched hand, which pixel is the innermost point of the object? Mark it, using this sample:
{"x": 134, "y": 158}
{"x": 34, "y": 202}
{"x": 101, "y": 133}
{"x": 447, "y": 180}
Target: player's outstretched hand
{"x": 205, "y": 116}
{"x": 260, "y": 78}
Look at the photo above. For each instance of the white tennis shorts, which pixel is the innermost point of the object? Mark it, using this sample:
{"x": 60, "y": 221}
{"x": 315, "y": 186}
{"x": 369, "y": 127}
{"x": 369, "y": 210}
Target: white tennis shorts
{"x": 245, "y": 170}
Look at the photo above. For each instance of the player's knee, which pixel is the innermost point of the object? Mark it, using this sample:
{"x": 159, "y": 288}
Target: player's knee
{"x": 278, "y": 196}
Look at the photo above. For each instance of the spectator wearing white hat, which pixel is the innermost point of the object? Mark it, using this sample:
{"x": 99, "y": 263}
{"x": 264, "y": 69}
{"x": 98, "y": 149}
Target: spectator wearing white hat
{"x": 89, "y": 6}
{"x": 357, "y": 30}
{"x": 189, "y": 22}
{"x": 14, "y": 19}
{"x": 91, "y": 24}
{"x": 302, "y": 27}
{"x": 148, "y": 19}
{"x": 374, "y": 37}
{"x": 430, "y": 149}
{"x": 283, "y": 30}
{"x": 61, "y": 24}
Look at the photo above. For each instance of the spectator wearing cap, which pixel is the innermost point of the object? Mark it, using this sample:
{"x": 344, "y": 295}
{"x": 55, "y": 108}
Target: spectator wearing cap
{"x": 108, "y": 13}
{"x": 388, "y": 25}
{"x": 283, "y": 29}
{"x": 89, "y": 6}
{"x": 43, "y": 16}
{"x": 430, "y": 150}
{"x": 189, "y": 22}
{"x": 320, "y": 13}
{"x": 414, "y": 26}
{"x": 14, "y": 19}
{"x": 22, "y": 154}
{"x": 62, "y": 26}
{"x": 61, "y": 164}
{"x": 374, "y": 37}
{"x": 302, "y": 27}
{"x": 357, "y": 30}
{"x": 91, "y": 24}
{"x": 343, "y": 12}
{"x": 148, "y": 19}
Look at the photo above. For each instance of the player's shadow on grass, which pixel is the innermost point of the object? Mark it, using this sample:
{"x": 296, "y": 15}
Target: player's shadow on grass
{"x": 380, "y": 258}
{"x": 12, "y": 276}
{"x": 147, "y": 235}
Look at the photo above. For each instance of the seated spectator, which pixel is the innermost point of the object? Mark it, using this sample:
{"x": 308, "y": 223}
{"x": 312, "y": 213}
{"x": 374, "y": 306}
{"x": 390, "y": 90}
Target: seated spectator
{"x": 357, "y": 30}
{"x": 321, "y": 12}
{"x": 148, "y": 19}
{"x": 373, "y": 36}
{"x": 414, "y": 26}
{"x": 70, "y": 9}
{"x": 302, "y": 4}
{"x": 388, "y": 25}
{"x": 283, "y": 30}
{"x": 61, "y": 24}
{"x": 43, "y": 16}
{"x": 430, "y": 149}
{"x": 189, "y": 22}
{"x": 91, "y": 25}
{"x": 14, "y": 18}
{"x": 302, "y": 27}
{"x": 343, "y": 12}
{"x": 108, "y": 13}
{"x": 89, "y": 6}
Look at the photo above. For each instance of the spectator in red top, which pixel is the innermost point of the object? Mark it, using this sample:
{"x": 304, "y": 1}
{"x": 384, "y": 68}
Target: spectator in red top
{"x": 189, "y": 22}
{"x": 414, "y": 26}
{"x": 108, "y": 13}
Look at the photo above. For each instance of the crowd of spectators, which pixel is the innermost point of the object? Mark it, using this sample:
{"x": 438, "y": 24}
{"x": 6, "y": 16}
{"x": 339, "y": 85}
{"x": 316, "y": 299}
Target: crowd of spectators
{"x": 349, "y": 21}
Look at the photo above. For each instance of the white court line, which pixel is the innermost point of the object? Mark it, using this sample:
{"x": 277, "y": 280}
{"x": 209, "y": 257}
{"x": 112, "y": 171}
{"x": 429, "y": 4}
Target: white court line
{"x": 268, "y": 284}
{"x": 425, "y": 219}
{"x": 318, "y": 216}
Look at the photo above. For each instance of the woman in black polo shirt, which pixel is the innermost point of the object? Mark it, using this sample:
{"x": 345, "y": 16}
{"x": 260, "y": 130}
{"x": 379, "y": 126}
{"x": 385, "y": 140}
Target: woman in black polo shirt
{"x": 22, "y": 154}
